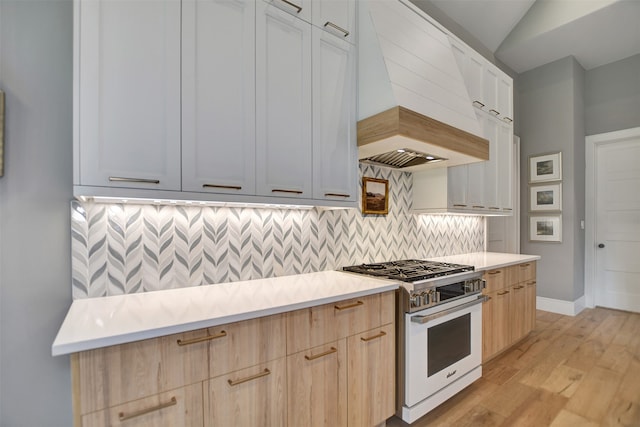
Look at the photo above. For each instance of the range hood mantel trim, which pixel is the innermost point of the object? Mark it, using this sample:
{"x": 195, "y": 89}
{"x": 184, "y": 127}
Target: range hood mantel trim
{"x": 435, "y": 135}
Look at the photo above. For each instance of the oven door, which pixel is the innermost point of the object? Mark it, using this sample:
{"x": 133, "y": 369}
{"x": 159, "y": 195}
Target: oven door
{"x": 443, "y": 343}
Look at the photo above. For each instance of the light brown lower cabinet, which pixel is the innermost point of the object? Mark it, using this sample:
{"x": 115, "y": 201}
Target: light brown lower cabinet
{"x": 371, "y": 376}
{"x": 509, "y": 314}
{"x": 180, "y": 407}
{"x": 258, "y": 372}
{"x": 317, "y": 386}
{"x": 251, "y": 397}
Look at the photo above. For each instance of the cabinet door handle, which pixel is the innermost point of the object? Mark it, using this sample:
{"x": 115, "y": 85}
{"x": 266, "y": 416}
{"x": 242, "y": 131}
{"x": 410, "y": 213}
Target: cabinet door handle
{"x": 494, "y": 207}
{"x": 347, "y": 306}
{"x": 507, "y": 119}
{"x": 478, "y": 104}
{"x": 298, "y": 8}
{"x": 507, "y": 209}
{"x": 517, "y": 287}
{"x": 337, "y": 195}
{"x": 494, "y": 112}
{"x": 251, "y": 378}
{"x": 138, "y": 180}
{"x": 228, "y": 187}
{"x": 533, "y": 282}
{"x": 281, "y": 190}
{"x": 124, "y": 417}
{"x": 376, "y": 336}
{"x": 459, "y": 206}
{"x": 495, "y": 272}
{"x": 318, "y": 356}
{"x": 202, "y": 339}
{"x": 342, "y": 30}
{"x": 503, "y": 293}
{"x": 524, "y": 265}
{"x": 478, "y": 207}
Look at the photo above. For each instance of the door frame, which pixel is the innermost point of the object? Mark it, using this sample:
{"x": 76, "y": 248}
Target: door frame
{"x": 593, "y": 142}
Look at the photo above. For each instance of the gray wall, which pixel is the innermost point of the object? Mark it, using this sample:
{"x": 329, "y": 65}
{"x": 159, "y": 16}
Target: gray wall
{"x": 35, "y": 278}
{"x": 612, "y": 96}
{"x": 551, "y": 119}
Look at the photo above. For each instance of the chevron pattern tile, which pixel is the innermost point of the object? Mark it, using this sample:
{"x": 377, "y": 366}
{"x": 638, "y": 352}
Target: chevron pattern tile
{"x": 123, "y": 248}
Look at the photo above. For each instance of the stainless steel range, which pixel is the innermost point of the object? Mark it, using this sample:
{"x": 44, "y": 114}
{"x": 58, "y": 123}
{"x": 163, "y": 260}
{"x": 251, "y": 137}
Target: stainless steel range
{"x": 439, "y": 321}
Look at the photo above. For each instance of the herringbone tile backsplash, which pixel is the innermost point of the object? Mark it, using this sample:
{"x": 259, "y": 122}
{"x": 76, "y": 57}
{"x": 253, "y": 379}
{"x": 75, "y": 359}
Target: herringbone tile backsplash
{"x": 124, "y": 248}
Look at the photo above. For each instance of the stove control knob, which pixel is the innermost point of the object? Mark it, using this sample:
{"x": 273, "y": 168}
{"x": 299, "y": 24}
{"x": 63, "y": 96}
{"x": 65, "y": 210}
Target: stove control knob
{"x": 437, "y": 297}
{"x": 414, "y": 300}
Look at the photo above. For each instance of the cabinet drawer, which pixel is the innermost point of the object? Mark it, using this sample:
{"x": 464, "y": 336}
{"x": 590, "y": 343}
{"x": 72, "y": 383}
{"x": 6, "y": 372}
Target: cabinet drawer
{"x": 319, "y": 325}
{"x": 122, "y": 373}
{"x": 180, "y": 407}
{"x": 250, "y": 397}
{"x": 247, "y": 343}
{"x": 526, "y": 271}
{"x": 496, "y": 279}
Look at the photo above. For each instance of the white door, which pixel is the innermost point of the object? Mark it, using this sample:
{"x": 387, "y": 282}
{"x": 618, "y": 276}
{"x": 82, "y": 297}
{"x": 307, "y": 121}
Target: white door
{"x": 617, "y": 227}
{"x": 129, "y": 93}
{"x": 218, "y": 96}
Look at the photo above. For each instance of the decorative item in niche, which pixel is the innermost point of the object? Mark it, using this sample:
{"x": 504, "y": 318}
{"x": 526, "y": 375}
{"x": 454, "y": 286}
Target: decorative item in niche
{"x": 545, "y": 228}
{"x": 546, "y": 167}
{"x": 546, "y": 197}
{"x": 375, "y": 196}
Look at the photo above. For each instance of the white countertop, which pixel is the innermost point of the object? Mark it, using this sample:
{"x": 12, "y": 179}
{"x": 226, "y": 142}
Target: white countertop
{"x": 101, "y": 322}
{"x": 483, "y": 261}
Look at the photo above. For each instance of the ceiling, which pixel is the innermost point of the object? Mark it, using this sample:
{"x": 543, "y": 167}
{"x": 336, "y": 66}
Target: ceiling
{"x": 525, "y": 34}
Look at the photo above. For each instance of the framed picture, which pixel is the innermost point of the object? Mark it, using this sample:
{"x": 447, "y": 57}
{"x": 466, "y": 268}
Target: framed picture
{"x": 545, "y": 228}
{"x": 546, "y": 167}
{"x": 375, "y": 196}
{"x": 546, "y": 197}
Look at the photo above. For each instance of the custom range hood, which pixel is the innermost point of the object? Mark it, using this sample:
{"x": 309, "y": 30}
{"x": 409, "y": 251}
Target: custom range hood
{"x": 413, "y": 106}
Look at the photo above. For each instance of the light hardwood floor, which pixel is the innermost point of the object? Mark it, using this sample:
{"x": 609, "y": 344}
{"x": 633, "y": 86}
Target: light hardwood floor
{"x": 581, "y": 371}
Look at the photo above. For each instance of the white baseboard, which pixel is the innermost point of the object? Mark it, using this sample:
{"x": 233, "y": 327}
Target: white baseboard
{"x": 567, "y": 308}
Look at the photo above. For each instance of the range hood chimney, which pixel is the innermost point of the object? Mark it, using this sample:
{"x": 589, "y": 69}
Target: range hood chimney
{"x": 413, "y": 105}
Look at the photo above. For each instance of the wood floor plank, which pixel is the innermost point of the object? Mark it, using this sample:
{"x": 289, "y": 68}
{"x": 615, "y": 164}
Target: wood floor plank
{"x": 479, "y": 416}
{"x": 540, "y": 410}
{"x": 537, "y": 373}
{"x": 586, "y": 355}
{"x": 508, "y": 398}
{"x": 630, "y": 386}
{"x": 595, "y": 393}
{"x": 563, "y": 380}
{"x": 622, "y": 413}
{"x": 569, "y": 419}
{"x": 616, "y": 358}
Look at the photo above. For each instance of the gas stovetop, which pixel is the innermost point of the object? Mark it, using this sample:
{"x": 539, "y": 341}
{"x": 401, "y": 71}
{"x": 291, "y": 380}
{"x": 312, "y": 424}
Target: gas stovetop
{"x": 409, "y": 270}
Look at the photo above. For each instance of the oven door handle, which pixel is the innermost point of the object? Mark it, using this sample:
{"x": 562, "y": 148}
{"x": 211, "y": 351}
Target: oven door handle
{"x": 429, "y": 317}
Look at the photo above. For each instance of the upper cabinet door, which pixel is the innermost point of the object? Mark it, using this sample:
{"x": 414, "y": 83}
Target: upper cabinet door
{"x": 283, "y": 104}
{"x": 337, "y": 17}
{"x": 334, "y": 118}
{"x": 491, "y": 90}
{"x": 218, "y": 96}
{"x": 298, "y": 8}
{"x": 505, "y": 167}
{"x": 128, "y": 85}
{"x": 505, "y": 98}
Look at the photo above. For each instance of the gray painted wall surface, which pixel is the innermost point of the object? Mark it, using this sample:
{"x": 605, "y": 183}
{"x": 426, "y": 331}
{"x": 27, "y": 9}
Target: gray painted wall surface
{"x": 551, "y": 120}
{"x": 612, "y": 96}
{"x": 35, "y": 265}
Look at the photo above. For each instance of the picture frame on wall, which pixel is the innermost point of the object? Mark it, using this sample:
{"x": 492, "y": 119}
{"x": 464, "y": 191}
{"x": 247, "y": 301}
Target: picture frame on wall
{"x": 546, "y": 197}
{"x": 545, "y": 167}
{"x": 546, "y": 228}
{"x": 375, "y": 196}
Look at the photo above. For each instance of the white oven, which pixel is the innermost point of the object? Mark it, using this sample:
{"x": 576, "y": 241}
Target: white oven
{"x": 443, "y": 353}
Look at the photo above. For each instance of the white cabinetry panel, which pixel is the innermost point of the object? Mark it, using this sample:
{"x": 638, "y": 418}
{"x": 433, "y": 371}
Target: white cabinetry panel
{"x": 283, "y": 103}
{"x": 337, "y": 17}
{"x": 218, "y": 96}
{"x": 334, "y": 131}
{"x": 128, "y": 86}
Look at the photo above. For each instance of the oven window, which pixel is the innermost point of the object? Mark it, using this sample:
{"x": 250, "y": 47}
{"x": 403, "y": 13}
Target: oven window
{"x": 448, "y": 343}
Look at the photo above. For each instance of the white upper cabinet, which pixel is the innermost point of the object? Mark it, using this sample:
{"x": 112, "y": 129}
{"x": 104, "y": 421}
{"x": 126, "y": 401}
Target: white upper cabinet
{"x": 334, "y": 118}
{"x": 337, "y": 17}
{"x": 505, "y": 168}
{"x": 298, "y": 8}
{"x": 127, "y": 82}
{"x": 490, "y": 90}
{"x": 283, "y": 104}
{"x": 505, "y": 98}
{"x": 218, "y": 96}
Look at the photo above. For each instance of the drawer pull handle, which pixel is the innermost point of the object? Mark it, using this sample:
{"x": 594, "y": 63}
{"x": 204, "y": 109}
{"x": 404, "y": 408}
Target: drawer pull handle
{"x": 507, "y": 119}
{"x": 137, "y": 180}
{"x": 124, "y": 417}
{"x": 459, "y": 206}
{"x": 478, "y": 104}
{"x": 518, "y": 287}
{"x": 478, "y": 207}
{"x": 251, "y": 378}
{"x": 334, "y": 26}
{"x": 524, "y": 265}
{"x": 381, "y": 334}
{"x": 494, "y": 112}
{"x": 347, "y": 306}
{"x": 533, "y": 282}
{"x": 318, "y": 356}
{"x": 298, "y": 8}
{"x": 228, "y": 187}
{"x": 503, "y": 293}
{"x": 337, "y": 195}
{"x": 495, "y": 272}
{"x": 280, "y": 190}
{"x": 202, "y": 339}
